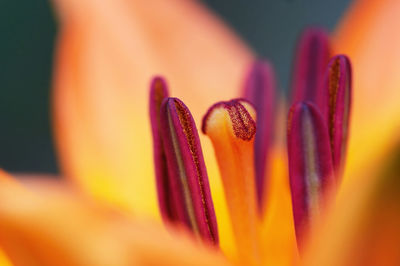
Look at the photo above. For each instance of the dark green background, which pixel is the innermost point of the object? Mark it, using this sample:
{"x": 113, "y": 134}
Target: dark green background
{"x": 28, "y": 30}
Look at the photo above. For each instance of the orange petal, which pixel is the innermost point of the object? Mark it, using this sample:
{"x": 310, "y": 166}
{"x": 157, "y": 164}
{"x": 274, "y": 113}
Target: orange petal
{"x": 369, "y": 36}
{"x": 4, "y": 260}
{"x": 47, "y": 224}
{"x": 107, "y": 52}
{"x": 364, "y": 228}
{"x": 278, "y": 231}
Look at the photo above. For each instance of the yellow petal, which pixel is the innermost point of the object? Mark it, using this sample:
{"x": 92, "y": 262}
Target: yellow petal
{"x": 44, "y": 223}
{"x": 369, "y": 35}
{"x": 4, "y": 260}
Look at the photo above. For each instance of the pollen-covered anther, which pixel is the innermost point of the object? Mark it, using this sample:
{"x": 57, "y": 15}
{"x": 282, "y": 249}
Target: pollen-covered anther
{"x": 158, "y": 92}
{"x": 231, "y": 127}
{"x": 310, "y": 166}
{"x": 241, "y": 117}
{"x": 339, "y": 88}
{"x": 312, "y": 57}
{"x": 182, "y": 181}
{"x": 259, "y": 89}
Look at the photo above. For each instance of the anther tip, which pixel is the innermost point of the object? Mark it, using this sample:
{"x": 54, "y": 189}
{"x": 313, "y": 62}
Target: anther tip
{"x": 241, "y": 114}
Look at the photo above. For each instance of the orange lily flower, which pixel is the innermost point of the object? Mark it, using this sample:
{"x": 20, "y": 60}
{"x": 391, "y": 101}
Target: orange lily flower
{"x": 107, "y": 53}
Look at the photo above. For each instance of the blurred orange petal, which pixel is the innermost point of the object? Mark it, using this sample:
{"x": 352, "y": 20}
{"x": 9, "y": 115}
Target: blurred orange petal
{"x": 364, "y": 227}
{"x": 278, "y": 234}
{"x": 4, "y": 260}
{"x": 368, "y": 34}
{"x": 45, "y": 223}
{"x": 107, "y": 53}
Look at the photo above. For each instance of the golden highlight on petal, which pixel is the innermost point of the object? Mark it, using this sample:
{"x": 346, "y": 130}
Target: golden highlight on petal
{"x": 4, "y": 260}
{"x": 231, "y": 128}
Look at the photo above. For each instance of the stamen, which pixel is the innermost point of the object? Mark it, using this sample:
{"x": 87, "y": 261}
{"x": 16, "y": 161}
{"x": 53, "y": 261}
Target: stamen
{"x": 190, "y": 190}
{"x": 231, "y": 128}
{"x": 338, "y": 85}
{"x": 312, "y": 56}
{"x": 260, "y": 91}
{"x": 310, "y": 165}
{"x": 158, "y": 92}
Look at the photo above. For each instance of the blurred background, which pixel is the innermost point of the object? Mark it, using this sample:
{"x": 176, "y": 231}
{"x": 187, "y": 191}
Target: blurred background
{"x": 28, "y": 31}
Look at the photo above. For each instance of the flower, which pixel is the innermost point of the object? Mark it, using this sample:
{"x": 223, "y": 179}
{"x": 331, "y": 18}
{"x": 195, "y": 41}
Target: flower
{"x": 317, "y": 139}
{"x": 107, "y": 52}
